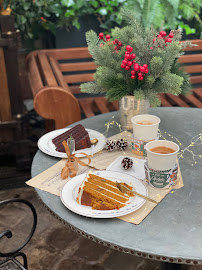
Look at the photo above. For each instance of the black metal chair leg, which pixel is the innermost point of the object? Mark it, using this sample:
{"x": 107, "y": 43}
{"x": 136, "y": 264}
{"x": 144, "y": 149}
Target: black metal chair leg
{"x": 170, "y": 266}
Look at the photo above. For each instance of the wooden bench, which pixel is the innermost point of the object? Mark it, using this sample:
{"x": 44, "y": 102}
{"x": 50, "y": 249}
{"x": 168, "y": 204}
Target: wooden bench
{"x": 56, "y": 74}
{"x": 192, "y": 61}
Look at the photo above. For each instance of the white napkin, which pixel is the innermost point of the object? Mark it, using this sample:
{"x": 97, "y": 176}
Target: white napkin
{"x": 137, "y": 170}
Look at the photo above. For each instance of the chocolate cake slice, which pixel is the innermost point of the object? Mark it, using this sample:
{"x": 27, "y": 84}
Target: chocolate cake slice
{"x": 80, "y": 135}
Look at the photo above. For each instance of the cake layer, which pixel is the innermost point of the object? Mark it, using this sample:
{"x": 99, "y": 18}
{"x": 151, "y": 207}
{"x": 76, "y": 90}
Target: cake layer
{"x": 101, "y": 193}
{"x": 80, "y": 135}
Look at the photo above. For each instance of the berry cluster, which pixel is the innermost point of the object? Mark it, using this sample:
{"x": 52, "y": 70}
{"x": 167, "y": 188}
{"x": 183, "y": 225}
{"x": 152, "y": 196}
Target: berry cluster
{"x": 129, "y": 63}
{"x": 116, "y": 42}
{"x": 163, "y": 36}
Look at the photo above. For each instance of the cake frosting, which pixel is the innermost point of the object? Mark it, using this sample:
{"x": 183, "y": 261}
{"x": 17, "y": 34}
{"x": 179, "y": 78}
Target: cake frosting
{"x": 80, "y": 135}
{"x": 101, "y": 193}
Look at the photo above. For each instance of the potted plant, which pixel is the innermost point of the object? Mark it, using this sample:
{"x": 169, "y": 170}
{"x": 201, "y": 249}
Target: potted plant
{"x": 135, "y": 65}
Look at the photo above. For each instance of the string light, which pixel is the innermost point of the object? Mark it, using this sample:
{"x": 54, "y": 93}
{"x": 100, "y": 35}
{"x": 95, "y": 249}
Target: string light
{"x": 196, "y": 141}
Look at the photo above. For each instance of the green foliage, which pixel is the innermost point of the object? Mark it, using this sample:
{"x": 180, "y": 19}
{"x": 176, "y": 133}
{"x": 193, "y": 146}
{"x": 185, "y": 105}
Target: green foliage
{"x": 167, "y": 14}
{"x": 33, "y": 17}
{"x": 164, "y": 76}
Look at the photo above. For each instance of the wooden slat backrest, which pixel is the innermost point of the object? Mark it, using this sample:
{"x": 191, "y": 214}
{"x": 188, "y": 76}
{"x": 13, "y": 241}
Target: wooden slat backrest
{"x": 56, "y": 70}
{"x": 192, "y": 61}
{"x": 46, "y": 70}
{"x": 34, "y": 76}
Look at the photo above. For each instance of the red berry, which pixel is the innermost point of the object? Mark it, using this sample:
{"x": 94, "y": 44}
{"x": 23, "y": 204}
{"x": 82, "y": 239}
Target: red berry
{"x": 142, "y": 69}
{"x": 153, "y": 40}
{"x": 130, "y": 63}
{"x": 151, "y": 48}
{"x": 140, "y": 78}
{"x": 101, "y": 35}
{"x": 145, "y": 66}
{"x": 108, "y": 37}
{"x": 133, "y": 55}
{"x": 115, "y": 48}
{"x": 132, "y": 72}
{"x": 171, "y": 35}
{"x": 127, "y": 56}
{"x": 134, "y": 61}
{"x": 127, "y": 68}
{"x": 127, "y": 53}
{"x": 146, "y": 70}
{"x": 129, "y": 48}
{"x": 162, "y": 33}
{"x": 113, "y": 42}
{"x": 139, "y": 74}
{"x": 123, "y": 65}
{"x": 124, "y": 61}
{"x": 136, "y": 67}
{"x": 133, "y": 77}
{"x": 159, "y": 36}
{"x": 120, "y": 43}
{"x": 169, "y": 40}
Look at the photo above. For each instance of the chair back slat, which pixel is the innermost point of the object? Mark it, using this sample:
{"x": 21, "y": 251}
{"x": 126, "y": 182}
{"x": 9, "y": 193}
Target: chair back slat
{"x": 83, "y": 66}
{"x": 34, "y": 76}
{"x": 71, "y": 53}
{"x": 46, "y": 70}
{"x": 58, "y": 75}
{"x": 195, "y": 48}
{"x": 79, "y": 78}
{"x": 191, "y": 58}
{"x": 193, "y": 69}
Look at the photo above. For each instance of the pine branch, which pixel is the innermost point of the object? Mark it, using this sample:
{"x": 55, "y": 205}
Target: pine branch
{"x": 92, "y": 88}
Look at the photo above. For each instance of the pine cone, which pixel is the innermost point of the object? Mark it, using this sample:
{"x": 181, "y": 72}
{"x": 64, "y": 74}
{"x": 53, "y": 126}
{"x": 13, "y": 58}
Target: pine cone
{"x": 121, "y": 144}
{"x": 127, "y": 163}
{"x": 110, "y": 145}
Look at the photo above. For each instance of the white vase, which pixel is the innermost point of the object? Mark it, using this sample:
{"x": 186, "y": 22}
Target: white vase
{"x": 129, "y": 106}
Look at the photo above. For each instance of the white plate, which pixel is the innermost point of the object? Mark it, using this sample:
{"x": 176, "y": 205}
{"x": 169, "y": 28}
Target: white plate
{"x": 46, "y": 145}
{"x": 69, "y": 194}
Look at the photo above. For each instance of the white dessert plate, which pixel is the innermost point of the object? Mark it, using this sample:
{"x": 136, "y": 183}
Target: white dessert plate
{"x": 69, "y": 194}
{"x": 46, "y": 145}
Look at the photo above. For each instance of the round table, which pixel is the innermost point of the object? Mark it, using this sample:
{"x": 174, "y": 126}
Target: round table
{"x": 172, "y": 232}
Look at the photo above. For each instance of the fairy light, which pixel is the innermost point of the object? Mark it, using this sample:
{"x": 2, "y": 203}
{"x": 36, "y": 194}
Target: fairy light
{"x": 196, "y": 141}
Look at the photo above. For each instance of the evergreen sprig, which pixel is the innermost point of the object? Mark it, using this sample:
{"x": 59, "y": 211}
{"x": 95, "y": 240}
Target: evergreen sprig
{"x": 165, "y": 73}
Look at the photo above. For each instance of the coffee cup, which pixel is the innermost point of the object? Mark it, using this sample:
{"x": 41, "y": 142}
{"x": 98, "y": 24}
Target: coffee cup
{"x": 145, "y": 126}
{"x": 157, "y": 160}
{"x": 161, "y": 167}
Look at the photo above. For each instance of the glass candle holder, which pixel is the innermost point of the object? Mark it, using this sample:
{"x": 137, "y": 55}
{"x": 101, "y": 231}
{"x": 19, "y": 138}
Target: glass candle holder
{"x": 71, "y": 144}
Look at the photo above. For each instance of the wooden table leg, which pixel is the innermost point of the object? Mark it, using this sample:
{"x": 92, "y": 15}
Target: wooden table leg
{"x": 170, "y": 266}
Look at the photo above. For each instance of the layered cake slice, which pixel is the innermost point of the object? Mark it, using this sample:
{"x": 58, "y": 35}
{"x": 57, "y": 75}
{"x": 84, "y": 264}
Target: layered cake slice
{"x": 80, "y": 135}
{"x": 101, "y": 193}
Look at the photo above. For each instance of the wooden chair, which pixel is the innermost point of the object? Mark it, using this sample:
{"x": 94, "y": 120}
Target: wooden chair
{"x": 192, "y": 61}
{"x": 55, "y": 76}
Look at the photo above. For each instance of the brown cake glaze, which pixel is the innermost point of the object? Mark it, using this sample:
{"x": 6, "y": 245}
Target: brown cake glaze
{"x": 102, "y": 194}
{"x": 80, "y": 135}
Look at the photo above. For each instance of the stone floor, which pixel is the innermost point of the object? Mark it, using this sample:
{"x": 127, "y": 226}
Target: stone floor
{"x": 56, "y": 247}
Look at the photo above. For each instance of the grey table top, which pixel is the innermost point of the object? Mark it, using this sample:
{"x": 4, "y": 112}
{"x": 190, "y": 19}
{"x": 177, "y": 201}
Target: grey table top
{"x": 174, "y": 228}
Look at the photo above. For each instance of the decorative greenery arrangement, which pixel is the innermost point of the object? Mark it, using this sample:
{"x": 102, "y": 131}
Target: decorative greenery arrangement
{"x": 138, "y": 62}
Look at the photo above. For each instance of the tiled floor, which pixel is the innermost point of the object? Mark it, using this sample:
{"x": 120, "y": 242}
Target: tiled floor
{"x": 56, "y": 247}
